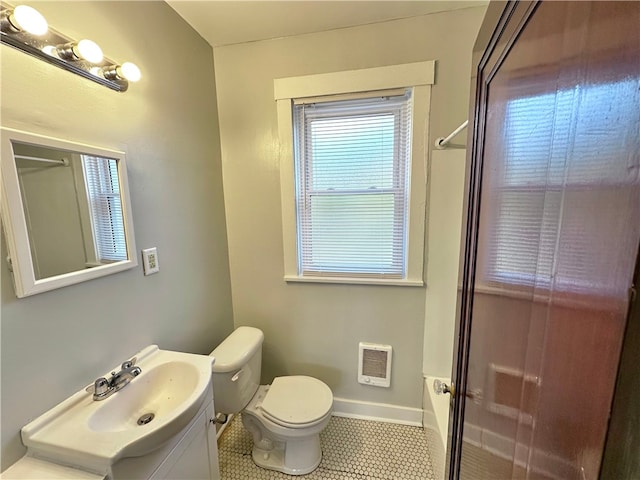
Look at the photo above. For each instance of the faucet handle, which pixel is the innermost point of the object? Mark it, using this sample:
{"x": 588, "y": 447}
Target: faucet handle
{"x": 100, "y": 386}
{"x": 129, "y": 363}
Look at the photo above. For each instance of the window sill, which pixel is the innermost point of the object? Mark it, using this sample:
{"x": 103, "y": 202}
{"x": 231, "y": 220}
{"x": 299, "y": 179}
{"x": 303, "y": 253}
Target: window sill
{"x": 355, "y": 281}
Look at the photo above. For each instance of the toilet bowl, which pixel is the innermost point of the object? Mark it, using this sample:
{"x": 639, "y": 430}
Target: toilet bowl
{"x": 285, "y": 418}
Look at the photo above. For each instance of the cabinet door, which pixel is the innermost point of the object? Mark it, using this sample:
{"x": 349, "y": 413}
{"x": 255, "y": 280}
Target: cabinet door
{"x": 196, "y": 456}
{"x": 212, "y": 443}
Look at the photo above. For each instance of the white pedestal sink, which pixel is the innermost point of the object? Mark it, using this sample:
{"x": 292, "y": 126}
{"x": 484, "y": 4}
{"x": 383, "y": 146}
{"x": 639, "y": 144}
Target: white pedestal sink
{"x": 93, "y": 435}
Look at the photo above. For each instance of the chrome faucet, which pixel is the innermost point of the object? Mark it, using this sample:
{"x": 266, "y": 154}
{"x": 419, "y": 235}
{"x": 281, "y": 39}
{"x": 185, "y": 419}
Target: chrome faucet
{"x": 104, "y": 388}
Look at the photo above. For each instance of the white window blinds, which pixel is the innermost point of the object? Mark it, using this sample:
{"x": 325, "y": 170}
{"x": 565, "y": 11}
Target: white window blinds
{"x": 101, "y": 177}
{"x": 352, "y": 177}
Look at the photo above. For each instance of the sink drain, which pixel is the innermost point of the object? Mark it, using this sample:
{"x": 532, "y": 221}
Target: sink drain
{"x": 146, "y": 418}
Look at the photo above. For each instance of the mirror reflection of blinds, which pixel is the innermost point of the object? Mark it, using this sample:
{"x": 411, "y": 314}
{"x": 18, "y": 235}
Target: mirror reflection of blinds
{"x": 538, "y": 185}
{"x": 352, "y": 173}
{"x": 101, "y": 177}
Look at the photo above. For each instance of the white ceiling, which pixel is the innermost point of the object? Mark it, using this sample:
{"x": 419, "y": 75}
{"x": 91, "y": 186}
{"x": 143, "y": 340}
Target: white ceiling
{"x": 229, "y": 22}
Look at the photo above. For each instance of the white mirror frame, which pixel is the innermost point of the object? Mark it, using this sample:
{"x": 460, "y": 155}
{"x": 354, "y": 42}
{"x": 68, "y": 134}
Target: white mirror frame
{"x": 15, "y": 225}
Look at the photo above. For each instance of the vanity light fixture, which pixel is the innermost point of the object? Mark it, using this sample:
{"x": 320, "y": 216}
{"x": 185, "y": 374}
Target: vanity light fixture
{"x": 25, "y": 28}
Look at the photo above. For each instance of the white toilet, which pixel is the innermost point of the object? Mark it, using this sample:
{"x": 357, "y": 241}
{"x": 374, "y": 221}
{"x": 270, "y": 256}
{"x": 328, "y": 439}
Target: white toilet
{"x": 285, "y": 418}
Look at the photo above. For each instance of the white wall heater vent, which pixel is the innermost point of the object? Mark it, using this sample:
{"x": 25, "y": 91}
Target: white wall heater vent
{"x": 374, "y": 364}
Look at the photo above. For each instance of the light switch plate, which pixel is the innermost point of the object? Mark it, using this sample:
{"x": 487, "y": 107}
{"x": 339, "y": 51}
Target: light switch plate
{"x": 150, "y": 260}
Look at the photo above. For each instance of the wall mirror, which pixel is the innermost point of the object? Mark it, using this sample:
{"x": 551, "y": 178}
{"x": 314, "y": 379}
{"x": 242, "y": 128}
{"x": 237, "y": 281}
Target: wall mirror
{"x": 66, "y": 211}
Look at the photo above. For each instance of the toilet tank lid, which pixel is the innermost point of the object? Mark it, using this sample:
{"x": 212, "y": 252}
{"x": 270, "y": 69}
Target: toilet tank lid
{"x": 237, "y": 349}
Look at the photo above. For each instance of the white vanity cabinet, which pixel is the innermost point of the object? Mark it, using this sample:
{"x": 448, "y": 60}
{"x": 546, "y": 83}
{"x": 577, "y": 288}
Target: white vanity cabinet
{"x": 191, "y": 455}
{"x": 196, "y": 455}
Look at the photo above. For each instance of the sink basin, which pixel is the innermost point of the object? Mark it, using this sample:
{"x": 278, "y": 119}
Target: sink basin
{"x": 141, "y": 417}
{"x": 159, "y": 391}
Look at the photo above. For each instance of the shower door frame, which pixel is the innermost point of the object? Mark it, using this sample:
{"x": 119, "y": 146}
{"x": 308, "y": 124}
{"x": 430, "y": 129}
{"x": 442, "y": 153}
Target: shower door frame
{"x": 488, "y": 52}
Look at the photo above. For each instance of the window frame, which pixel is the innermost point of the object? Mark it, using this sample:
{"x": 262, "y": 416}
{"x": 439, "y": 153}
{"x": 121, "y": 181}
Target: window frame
{"x": 418, "y": 77}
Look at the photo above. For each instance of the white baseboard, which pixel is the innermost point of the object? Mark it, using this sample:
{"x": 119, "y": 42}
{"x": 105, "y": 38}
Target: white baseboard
{"x": 379, "y": 412}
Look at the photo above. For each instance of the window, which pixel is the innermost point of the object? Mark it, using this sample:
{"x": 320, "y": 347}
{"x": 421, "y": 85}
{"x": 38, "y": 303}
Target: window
{"x": 352, "y": 171}
{"x": 353, "y": 174}
{"x": 103, "y": 190}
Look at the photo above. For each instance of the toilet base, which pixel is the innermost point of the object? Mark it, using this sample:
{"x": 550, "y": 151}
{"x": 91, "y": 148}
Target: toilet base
{"x": 300, "y": 457}
{"x": 293, "y": 456}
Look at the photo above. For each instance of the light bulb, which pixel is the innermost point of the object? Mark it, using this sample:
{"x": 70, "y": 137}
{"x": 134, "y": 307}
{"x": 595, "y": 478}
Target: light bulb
{"x": 130, "y": 71}
{"x": 88, "y": 50}
{"x": 50, "y": 50}
{"x": 127, "y": 71}
{"x": 28, "y": 19}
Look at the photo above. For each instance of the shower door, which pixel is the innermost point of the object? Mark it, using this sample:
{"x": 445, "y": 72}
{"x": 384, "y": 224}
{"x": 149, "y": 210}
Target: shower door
{"x": 552, "y": 237}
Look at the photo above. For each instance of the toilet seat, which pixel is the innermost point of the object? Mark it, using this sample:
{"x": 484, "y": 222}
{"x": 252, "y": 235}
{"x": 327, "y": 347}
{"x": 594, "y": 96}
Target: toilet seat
{"x": 297, "y": 401}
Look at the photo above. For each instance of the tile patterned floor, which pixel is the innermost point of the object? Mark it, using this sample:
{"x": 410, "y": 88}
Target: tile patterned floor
{"x": 351, "y": 450}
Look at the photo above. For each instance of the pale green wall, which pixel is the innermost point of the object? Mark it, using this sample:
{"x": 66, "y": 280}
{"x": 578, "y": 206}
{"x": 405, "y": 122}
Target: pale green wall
{"x": 312, "y": 328}
{"x": 58, "y": 342}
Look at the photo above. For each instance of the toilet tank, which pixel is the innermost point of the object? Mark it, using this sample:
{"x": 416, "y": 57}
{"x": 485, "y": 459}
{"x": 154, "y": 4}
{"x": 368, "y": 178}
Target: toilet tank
{"x": 236, "y": 369}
